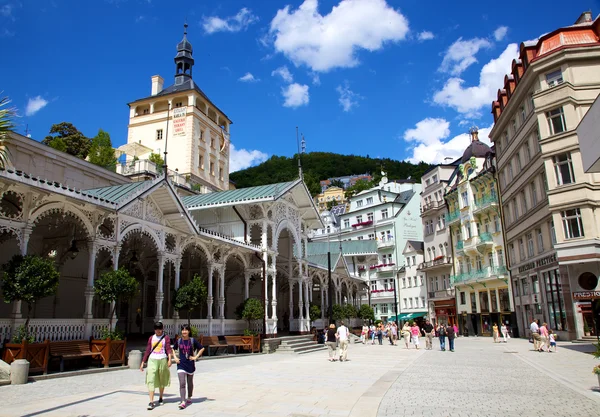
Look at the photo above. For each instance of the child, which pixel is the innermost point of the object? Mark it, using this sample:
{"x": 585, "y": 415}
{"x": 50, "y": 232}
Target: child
{"x": 552, "y": 337}
{"x": 186, "y": 367}
{"x": 158, "y": 355}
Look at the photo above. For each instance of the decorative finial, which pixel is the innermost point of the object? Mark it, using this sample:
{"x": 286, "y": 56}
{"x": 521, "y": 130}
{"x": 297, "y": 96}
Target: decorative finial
{"x": 185, "y": 26}
{"x": 474, "y": 132}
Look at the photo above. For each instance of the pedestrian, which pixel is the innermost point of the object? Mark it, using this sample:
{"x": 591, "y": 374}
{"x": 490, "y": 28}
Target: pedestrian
{"x": 373, "y": 332}
{"x": 545, "y": 341}
{"x": 504, "y": 331}
{"x": 455, "y": 327}
{"x": 552, "y": 338}
{"x": 364, "y": 333}
{"x": 380, "y": 333}
{"x": 342, "y": 335}
{"x": 450, "y": 334}
{"x": 394, "y": 334}
{"x": 158, "y": 356}
{"x": 428, "y": 333}
{"x": 495, "y": 332}
{"x": 442, "y": 335}
{"x": 406, "y": 333}
{"x": 331, "y": 342}
{"x": 535, "y": 334}
{"x": 415, "y": 330}
{"x": 188, "y": 351}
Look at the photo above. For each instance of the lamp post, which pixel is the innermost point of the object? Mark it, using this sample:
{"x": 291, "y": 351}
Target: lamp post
{"x": 327, "y": 221}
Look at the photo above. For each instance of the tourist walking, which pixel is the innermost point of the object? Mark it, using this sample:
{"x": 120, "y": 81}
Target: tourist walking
{"x": 364, "y": 334}
{"x": 158, "y": 356}
{"x": 415, "y": 330}
{"x": 331, "y": 342}
{"x": 504, "y": 331}
{"x": 373, "y": 332}
{"x": 343, "y": 335}
{"x": 455, "y": 327}
{"x": 495, "y": 332}
{"x": 535, "y": 335}
{"x": 406, "y": 333}
{"x": 380, "y": 333}
{"x": 188, "y": 351}
{"x": 450, "y": 334}
{"x": 442, "y": 335}
{"x": 394, "y": 334}
{"x": 428, "y": 333}
{"x": 552, "y": 339}
{"x": 545, "y": 342}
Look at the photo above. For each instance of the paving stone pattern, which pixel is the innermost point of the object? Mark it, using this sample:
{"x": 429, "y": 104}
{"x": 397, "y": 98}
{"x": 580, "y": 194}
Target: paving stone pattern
{"x": 479, "y": 379}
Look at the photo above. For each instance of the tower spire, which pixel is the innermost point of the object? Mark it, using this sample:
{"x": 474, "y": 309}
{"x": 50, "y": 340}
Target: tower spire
{"x": 184, "y": 60}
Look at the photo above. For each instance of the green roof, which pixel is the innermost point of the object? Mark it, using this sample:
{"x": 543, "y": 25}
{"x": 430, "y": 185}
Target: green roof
{"x": 349, "y": 247}
{"x": 116, "y": 193}
{"x": 241, "y": 195}
{"x": 321, "y": 260}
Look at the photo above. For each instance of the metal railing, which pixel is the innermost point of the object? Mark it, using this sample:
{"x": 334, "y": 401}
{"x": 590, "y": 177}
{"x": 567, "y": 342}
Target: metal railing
{"x": 445, "y": 260}
{"x": 485, "y": 201}
{"x": 460, "y": 245}
{"x": 145, "y": 166}
{"x": 486, "y": 272}
{"x": 452, "y": 216}
{"x": 485, "y": 237}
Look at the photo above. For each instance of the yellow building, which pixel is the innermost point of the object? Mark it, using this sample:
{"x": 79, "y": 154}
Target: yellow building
{"x": 329, "y": 195}
{"x": 197, "y": 133}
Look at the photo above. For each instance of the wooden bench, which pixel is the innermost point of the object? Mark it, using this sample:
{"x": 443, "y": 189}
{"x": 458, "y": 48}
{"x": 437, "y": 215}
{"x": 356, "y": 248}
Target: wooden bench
{"x": 74, "y": 349}
{"x": 215, "y": 342}
{"x": 238, "y": 342}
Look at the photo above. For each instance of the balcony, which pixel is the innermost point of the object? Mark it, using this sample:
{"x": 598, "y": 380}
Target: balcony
{"x": 147, "y": 168}
{"x": 479, "y": 275}
{"x": 362, "y": 224}
{"x": 383, "y": 267}
{"x": 460, "y": 245}
{"x": 486, "y": 237}
{"x": 388, "y": 242}
{"x": 431, "y": 205}
{"x": 441, "y": 294}
{"x": 439, "y": 262}
{"x": 382, "y": 293}
{"x": 452, "y": 217}
{"x": 487, "y": 201}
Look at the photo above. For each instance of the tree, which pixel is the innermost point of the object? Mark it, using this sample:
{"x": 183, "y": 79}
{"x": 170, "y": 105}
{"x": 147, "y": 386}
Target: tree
{"x": 6, "y": 125}
{"x": 314, "y": 311}
{"x": 28, "y": 279}
{"x": 66, "y": 136}
{"x": 253, "y": 310}
{"x": 113, "y": 286}
{"x": 331, "y": 203}
{"x": 156, "y": 158}
{"x": 191, "y": 296}
{"x": 366, "y": 313}
{"x": 101, "y": 151}
{"x": 336, "y": 183}
{"x": 358, "y": 186}
{"x": 338, "y": 312}
{"x": 349, "y": 311}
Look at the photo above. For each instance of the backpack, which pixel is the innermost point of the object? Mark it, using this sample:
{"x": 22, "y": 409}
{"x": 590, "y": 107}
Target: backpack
{"x": 442, "y": 331}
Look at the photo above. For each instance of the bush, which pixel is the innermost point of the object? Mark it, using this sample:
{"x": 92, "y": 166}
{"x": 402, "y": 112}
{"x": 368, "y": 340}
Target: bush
{"x": 366, "y": 313}
{"x": 110, "y": 334}
{"x": 21, "y": 334}
{"x": 315, "y": 312}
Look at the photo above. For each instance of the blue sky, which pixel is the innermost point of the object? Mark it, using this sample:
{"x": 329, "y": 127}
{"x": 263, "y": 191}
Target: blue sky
{"x": 397, "y": 78}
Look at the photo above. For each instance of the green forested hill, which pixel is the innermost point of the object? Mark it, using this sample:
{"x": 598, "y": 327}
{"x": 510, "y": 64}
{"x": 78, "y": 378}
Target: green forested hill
{"x": 322, "y": 165}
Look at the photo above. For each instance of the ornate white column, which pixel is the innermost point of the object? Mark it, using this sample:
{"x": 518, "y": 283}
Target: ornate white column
{"x": 115, "y": 256}
{"x": 222, "y": 293}
{"x": 300, "y": 299}
{"x": 306, "y": 302}
{"x": 177, "y": 283}
{"x": 322, "y": 302}
{"x": 160, "y": 295}
{"x": 291, "y": 286}
{"x": 247, "y": 276}
{"x": 210, "y": 299}
{"x": 274, "y": 290}
{"x": 25, "y": 235}
{"x": 89, "y": 290}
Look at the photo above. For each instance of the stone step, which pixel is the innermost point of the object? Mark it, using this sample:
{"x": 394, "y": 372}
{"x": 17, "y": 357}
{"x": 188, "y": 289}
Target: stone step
{"x": 297, "y": 345}
{"x": 300, "y": 350}
{"x": 586, "y": 339}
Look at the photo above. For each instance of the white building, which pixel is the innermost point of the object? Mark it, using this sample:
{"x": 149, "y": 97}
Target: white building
{"x": 412, "y": 289}
{"x": 388, "y": 214}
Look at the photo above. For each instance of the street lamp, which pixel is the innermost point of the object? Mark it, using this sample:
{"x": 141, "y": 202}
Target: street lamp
{"x": 327, "y": 219}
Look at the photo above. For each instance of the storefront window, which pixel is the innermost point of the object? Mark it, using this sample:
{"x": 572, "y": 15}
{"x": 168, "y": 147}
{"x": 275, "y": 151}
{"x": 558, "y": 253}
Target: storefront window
{"x": 494, "y": 301}
{"x": 504, "y": 299}
{"x": 484, "y": 302}
{"x": 556, "y": 304}
{"x": 473, "y": 303}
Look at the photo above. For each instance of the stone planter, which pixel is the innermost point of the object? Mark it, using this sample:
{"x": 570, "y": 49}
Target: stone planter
{"x": 35, "y": 353}
{"x": 111, "y": 351}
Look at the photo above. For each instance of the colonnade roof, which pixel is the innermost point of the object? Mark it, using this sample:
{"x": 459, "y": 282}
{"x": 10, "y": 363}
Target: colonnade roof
{"x": 348, "y": 247}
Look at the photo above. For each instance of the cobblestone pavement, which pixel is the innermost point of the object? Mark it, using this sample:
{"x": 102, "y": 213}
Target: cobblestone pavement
{"x": 479, "y": 379}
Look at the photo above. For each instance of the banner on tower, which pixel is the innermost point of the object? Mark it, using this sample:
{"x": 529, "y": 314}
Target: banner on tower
{"x": 179, "y": 120}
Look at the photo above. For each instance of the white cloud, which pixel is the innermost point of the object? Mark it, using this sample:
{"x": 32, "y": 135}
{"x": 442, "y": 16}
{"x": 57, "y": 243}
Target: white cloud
{"x": 236, "y": 23}
{"x": 461, "y": 55}
{"x": 348, "y": 98}
{"x": 242, "y": 158}
{"x": 324, "y": 42}
{"x": 295, "y": 95}
{"x": 284, "y": 73}
{"x": 316, "y": 80}
{"x": 500, "y": 33}
{"x": 469, "y": 100}
{"x": 425, "y": 35}
{"x": 34, "y": 105}
{"x": 431, "y": 145}
{"x": 248, "y": 78}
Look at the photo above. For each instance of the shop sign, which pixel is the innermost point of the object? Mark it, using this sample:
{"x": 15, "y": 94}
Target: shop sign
{"x": 586, "y": 295}
{"x": 179, "y": 120}
{"x": 537, "y": 264}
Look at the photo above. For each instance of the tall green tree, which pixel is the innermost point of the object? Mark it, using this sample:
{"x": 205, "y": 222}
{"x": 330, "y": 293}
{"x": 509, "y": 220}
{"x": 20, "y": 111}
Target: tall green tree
{"x": 113, "y": 286}
{"x": 101, "y": 151}
{"x": 358, "y": 186}
{"x": 29, "y": 279}
{"x": 191, "y": 296}
{"x": 366, "y": 313}
{"x": 65, "y": 137}
{"x": 6, "y": 125}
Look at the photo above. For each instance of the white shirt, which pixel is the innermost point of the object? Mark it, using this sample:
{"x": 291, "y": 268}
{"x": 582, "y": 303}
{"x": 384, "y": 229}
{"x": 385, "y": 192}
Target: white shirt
{"x": 342, "y": 332}
{"x": 534, "y": 327}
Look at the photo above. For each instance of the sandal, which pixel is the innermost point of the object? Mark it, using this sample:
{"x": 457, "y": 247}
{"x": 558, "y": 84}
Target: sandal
{"x": 182, "y": 405}
{"x": 150, "y": 406}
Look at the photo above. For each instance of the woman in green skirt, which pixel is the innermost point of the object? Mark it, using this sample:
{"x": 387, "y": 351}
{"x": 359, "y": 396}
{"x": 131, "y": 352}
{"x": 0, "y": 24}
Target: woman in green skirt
{"x": 158, "y": 355}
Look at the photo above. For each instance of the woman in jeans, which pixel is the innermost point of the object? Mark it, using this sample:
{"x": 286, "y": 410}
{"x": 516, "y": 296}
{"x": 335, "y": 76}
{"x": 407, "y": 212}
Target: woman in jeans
{"x": 331, "y": 342}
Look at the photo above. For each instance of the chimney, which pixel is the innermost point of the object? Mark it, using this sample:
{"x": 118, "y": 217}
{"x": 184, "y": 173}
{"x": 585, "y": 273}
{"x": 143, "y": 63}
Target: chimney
{"x": 157, "y": 84}
{"x": 586, "y": 17}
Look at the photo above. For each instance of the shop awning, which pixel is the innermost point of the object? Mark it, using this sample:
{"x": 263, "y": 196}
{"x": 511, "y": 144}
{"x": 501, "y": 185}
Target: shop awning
{"x": 408, "y": 316}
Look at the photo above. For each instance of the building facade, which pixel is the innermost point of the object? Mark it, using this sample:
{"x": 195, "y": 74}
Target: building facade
{"x": 437, "y": 254}
{"x": 412, "y": 289}
{"x": 346, "y": 181}
{"x": 481, "y": 279}
{"x": 330, "y": 197}
{"x": 549, "y": 204}
{"x": 183, "y": 119}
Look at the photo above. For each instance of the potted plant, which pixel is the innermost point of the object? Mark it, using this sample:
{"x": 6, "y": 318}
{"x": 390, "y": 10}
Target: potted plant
{"x": 190, "y": 296}
{"x": 596, "y": 371}
{"x": 315, "y": 312}
{"x": 28, "y": 279}
{"x": 111, "y": 287}
{"x": 586, "y": 329}
{"x": 251, "y": 310}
